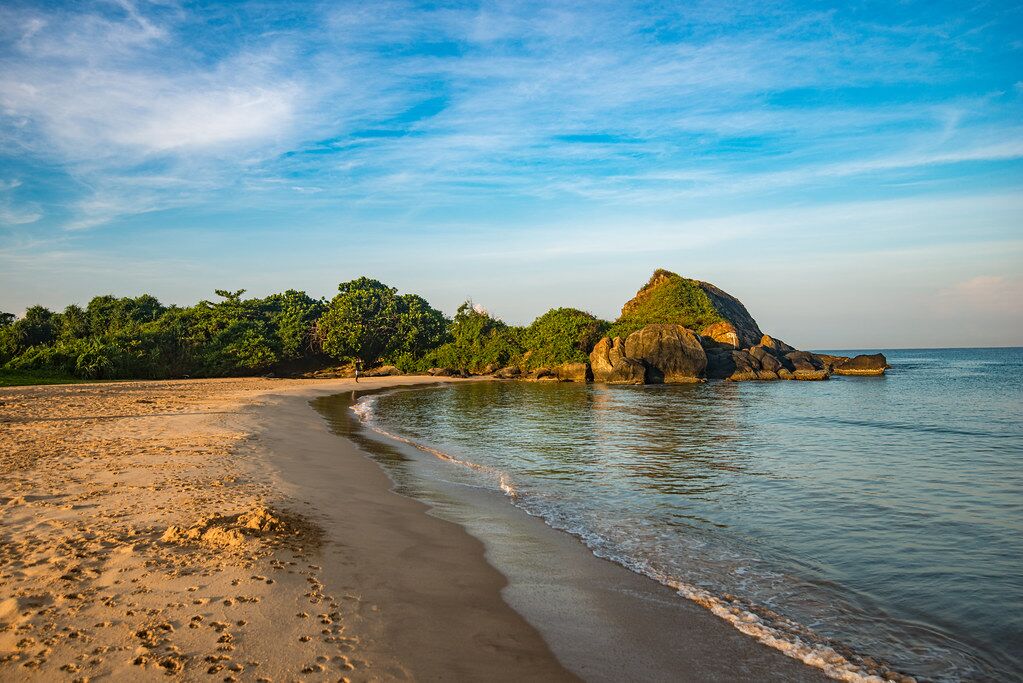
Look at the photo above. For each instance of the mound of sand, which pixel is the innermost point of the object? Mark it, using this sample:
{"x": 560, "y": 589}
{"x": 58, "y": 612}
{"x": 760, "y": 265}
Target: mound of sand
{"x": 227, "y": 531}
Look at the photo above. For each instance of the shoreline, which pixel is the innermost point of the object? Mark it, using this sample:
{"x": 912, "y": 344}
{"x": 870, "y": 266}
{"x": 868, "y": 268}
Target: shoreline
{"x": 286, "y": 533}
{"x": 604, "y": 621}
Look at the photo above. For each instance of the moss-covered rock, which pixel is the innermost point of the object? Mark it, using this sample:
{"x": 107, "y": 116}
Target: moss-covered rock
{"x": 669, "y": 298}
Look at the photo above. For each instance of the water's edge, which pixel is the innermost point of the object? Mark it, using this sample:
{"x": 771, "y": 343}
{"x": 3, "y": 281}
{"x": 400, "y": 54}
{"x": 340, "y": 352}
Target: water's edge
{"x": 792, "y": 639}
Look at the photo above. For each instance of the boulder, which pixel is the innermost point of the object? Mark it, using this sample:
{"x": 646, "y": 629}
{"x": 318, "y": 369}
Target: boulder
{"x": 509, "y": 372}
{"x": 806, "y": 366}
{"x": 746, "y": 367}
{"x": 873, "y": 364}
{"x": 777, "y": 344}
{"x": 383, "y": 371}
{"x": 719, "y": 363}
{"x": 572, "y": 372}
{"x": 611, "y": 366}
{"x": 671, "y": 353}
{"x": 768, "y": 361}
{"x": 722, "y": 334}
{"x": 542, "y": 375}
{"x": 830, "y": 362}
{"x": 441, "y": 372}
{"x": 490, "y": 368}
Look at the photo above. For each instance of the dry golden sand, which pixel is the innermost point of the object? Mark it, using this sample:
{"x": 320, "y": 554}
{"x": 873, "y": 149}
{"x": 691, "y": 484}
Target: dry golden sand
{"x": 216, "y": 530}
{"x": 134, "y": 545}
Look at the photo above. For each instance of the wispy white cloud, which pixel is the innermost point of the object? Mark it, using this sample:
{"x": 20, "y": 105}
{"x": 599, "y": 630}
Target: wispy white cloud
{"x": 12, "y": 211}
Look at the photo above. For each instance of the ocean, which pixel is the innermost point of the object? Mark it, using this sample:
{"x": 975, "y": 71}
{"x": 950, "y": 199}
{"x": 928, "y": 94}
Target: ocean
{"x": 878, "y": 520}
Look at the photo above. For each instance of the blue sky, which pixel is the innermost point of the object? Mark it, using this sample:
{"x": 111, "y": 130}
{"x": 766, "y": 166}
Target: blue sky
{"x": 852, "y": 172}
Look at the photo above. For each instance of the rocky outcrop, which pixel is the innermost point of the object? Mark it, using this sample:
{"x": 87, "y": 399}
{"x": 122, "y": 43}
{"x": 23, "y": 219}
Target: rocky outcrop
{"x": 510, "y": 372}
{"x": 572, "y": 372}
{"x": 769, "y": 364}
{"x": 776, "y": 344}
{"x": 873, "y": 364}
{"x": 669, "y": 298}
{"x": 732, "y": 310}
{"x": 610, "y": 365}
{"x": 566, "y": 372}
{"x": 719, "y": 363}
{"x": 723, "y": 334}
{"x": 542, "y": 375}
{"x": 806, "y": 366}
{"x": 662, "y": 347}
{"x": 442, "y": 372}
{"x": 672, "y": 354}
{"x": 763, "y": 363}
{"x": 746, "y": 367}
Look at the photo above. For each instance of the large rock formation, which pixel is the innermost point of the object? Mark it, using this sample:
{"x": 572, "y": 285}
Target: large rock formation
{"x": 669, "y": 298}
{"x": 611, "y": 366}
{"x": 662, "y": 347}
{"x": 672, "y": 354}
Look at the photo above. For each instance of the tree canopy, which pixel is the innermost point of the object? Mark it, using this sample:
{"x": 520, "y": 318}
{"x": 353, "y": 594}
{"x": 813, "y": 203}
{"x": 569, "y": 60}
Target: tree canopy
{"x": 369, "y": 321}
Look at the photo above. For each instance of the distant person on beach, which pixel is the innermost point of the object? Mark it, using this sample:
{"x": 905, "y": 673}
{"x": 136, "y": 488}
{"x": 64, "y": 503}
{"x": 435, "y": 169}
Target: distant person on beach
{"x": 358, "y": 368}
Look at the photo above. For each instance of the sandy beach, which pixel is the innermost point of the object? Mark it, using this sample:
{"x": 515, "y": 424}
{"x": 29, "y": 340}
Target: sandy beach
{"x": 218, "y": 530}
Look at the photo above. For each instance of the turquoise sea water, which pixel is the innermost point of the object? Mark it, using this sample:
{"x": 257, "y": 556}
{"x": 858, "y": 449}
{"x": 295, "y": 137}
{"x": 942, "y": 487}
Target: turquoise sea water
{"x": 883, "y": 516}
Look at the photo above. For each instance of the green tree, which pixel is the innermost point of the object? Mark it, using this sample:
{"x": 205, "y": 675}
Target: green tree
{"x": 562, "y": 335}
{"x": 94, "y": 360}
{"x": 368, "y": 321}
{"x": 231, "y": 336}
{"x": 293, "y": 316}
{"x": 9, "y": 339}
{"x": 477, "y": 340}
{"x": 37, "y": 327}
{"x": 109, "y": 315}
{"x": 74, "y": 323}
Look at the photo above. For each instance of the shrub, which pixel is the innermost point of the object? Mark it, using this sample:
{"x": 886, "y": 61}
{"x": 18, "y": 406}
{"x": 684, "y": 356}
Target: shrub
{"x": 562, "y": 335}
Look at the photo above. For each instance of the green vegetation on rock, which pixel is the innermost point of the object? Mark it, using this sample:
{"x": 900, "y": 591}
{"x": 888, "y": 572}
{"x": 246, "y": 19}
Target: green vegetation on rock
{"x": 667, "y": 298}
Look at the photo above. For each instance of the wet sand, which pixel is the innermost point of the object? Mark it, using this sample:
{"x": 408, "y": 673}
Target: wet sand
{"x": 218, "y": 530}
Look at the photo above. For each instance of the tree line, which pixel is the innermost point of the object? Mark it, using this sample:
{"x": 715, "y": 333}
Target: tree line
{"x": 287, "y": 333}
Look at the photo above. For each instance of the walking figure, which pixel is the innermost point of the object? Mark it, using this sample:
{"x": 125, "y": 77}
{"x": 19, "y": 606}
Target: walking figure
{"x": 358, "y": 369}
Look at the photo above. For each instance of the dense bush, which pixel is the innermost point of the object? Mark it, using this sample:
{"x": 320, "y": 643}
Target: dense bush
{"x": 368, "y": 321}
{"x": 477, "y": 340}
{"x": 140, "y": 338}
{"x": 561, "y": 335}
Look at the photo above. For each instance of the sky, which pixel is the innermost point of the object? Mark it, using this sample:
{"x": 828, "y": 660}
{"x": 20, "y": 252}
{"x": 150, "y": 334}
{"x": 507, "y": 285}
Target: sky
{"x": 853, "y": 172}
